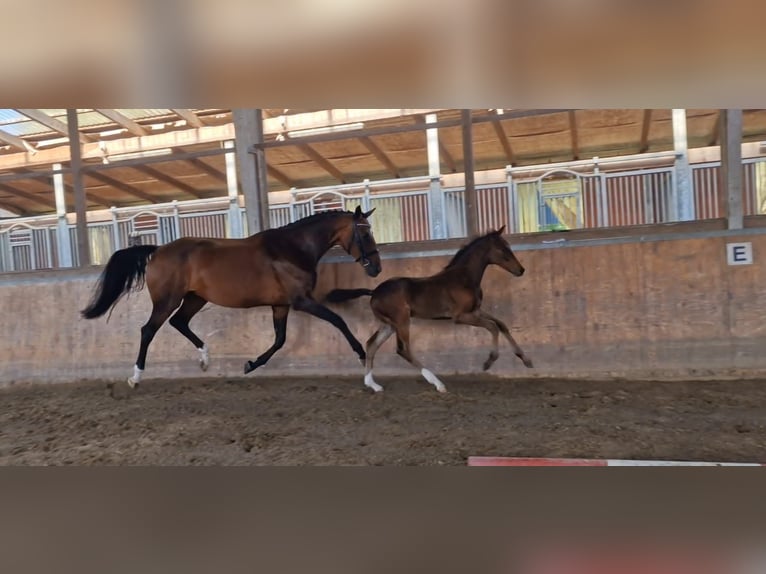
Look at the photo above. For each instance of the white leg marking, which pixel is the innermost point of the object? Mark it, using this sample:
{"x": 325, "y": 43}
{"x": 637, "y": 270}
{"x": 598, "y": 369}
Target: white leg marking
{"x": 434, "y": 380}
{"x": 136, "y": 378}
{"x": 204, "y": 357}
{"x": 370, "y": 382}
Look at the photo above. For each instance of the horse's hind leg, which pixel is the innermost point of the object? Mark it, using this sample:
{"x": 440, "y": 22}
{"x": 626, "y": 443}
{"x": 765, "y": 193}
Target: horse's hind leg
{"x": 280, "y": 330}
{"x": 160, "y": 313}
{"x": 507, "y": 334}
{"x": 192, "y": 305}
{"x": 404, "y": 351}
{"x": 373, "y": 344}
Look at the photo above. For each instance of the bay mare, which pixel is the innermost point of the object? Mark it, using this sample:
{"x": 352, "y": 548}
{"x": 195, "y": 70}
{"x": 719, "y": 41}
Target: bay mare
{"x": 454, "y": 293}
{"x": 276, "y": 267}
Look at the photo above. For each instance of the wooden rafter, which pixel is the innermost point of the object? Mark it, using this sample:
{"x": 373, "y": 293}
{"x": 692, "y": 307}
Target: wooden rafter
{"x": 716, "y": 130}
{"x": 17, "y": 142}
{"x": 645, "y": 125}
{"x": 191, "y": 118}
{"x": 202, "y": 166}
{"x": 42, "y": 200}
{"x": 573, "y": 134}
{"x": 124, "y": 187}
{"x": 279, "y": 176}
{"x": 380, "y": 155}
{"x": 503, "y": 137}
{"x": 322, "y": 162}
{"x": 50, "y": 122}
{"x": 123, "y": 120}
{"x": 94, "y": 197}
{"x": 8, "y": 205}
{"x": 158, "y": 175}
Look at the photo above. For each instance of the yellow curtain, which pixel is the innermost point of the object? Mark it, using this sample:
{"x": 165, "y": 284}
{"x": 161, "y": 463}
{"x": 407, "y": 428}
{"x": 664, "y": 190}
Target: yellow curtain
{"x": 526, "y": 201}
{"x": 760, "y": 187}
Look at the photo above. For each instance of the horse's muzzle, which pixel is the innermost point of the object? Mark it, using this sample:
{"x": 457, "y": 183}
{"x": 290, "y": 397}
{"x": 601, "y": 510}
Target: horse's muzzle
{"x": 372, "y": 270}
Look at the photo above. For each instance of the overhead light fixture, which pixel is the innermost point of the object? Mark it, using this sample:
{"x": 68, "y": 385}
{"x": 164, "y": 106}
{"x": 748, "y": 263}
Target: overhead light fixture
{"x": 325, "y": 130}
{"x": 135, "y": 155}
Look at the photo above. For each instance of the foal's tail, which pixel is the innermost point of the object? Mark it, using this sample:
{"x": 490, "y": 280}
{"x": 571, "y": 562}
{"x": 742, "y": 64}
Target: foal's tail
{"x": 123, "y": 273}
{"x": 340, "y": 295}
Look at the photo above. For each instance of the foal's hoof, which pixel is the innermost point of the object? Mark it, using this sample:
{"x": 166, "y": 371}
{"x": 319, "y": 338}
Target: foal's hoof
{"x": 250, "y": 366}
{"x": 489, "y": 362}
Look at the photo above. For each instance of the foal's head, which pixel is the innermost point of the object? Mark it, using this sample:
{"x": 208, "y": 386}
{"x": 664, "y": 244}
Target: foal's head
{"x": 500, "y": 253}
{"x": 356, "y": 238}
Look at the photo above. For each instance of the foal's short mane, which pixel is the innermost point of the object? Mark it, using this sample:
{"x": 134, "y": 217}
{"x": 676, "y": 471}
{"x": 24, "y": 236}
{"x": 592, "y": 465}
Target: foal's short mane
{"x": 316, "y": 217}
{"x": 467, "y": 248}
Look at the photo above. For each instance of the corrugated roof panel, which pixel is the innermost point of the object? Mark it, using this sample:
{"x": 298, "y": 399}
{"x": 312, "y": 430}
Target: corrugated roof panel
{"x": 8, "y": 116}
{"x": 144, "y": 113}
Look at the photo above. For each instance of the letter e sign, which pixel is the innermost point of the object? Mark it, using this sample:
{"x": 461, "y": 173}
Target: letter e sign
{"x": 739, "y": 253}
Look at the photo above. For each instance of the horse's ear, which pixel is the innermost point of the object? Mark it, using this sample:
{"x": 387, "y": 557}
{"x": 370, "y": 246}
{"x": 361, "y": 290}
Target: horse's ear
{"x": 501, "y": 230}
{"x": 358, "y": 212}
{"x": 366, "y": 215}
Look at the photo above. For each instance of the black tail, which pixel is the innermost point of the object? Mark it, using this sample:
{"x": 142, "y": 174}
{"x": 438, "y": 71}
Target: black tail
{"x": 123, "y": 273}
{"x": 340, "y": 295}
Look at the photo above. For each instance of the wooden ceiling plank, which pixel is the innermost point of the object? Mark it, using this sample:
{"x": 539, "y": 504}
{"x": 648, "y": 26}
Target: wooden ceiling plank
{"x": 380, "y": 155}
{"x": 322, "y": 162}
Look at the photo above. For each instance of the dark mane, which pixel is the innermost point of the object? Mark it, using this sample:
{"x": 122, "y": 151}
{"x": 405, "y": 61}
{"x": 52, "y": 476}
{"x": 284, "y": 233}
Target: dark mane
{"x": 316, "y": 217}
{"x": 466, "y": 249}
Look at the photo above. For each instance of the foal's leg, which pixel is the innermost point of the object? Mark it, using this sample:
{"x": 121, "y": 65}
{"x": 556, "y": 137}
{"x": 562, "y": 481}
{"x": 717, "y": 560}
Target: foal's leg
{"x": 404, "y": 351}
{"x": 308, "y": 305}
{"x": 507, "y": 334}
{"x": 373, "y": 344}
{"x": 478, "y": 320}
{"x": 280, "y": 313}
{"x": 192, "y": 305}
{"x": 160, "y": 313}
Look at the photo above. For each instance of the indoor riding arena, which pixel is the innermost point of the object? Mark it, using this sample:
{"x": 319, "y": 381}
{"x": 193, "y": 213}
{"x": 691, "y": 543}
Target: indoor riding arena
{"x": 641, "y": 233}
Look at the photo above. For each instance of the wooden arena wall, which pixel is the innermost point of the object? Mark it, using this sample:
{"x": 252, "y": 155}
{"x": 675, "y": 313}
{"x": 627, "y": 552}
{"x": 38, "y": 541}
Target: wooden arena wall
{"x": 638, "y": 307}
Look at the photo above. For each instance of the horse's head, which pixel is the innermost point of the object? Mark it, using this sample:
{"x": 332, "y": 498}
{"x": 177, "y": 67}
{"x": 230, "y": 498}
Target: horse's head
{"x": 360, "y": 244}
{"x": 500, "y": 253}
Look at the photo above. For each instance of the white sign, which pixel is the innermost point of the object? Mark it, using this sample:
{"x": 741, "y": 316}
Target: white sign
{"x": 739, "y": 253}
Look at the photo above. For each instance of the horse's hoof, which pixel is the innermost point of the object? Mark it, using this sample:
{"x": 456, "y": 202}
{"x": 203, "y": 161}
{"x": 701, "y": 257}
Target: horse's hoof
{"x": 250, "y": 366}
{"x": 528, "y": 363}
{"x": 442, "y": 389}
{"x": 132, "y": 383}
{"x": 203, "y": 365}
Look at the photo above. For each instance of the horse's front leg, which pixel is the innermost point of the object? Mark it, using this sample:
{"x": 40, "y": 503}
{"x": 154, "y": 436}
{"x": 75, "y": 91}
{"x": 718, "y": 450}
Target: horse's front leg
{"x": 477, "y": 320}
{"x": 308, "y": 305}
{"x": 280, "y": 331}
{"x": 507, "y": 334}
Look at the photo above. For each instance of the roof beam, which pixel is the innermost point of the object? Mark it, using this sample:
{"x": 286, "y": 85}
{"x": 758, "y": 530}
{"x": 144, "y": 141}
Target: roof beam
{"x": 17, "y": 142}
{"x": 322, "y": 162}
{"x": 123, "y": 120}
{"x": 644, "y": 145}
{"x": 94, "y": 151}
{"x": 503, "y": 137}
{"x": 380, "y": 155}
{"x": 42, "y": 200}
{"x": 714, "y": 136}
{"x": 190, "y": 117}
{"x": 94, "y": 197}
{"x": 573, "y": 133}
{"x": 279, "y": 176}
{"x": 158, "y": 175}
{"x": 50, "y": 122}
{"x": 124, "y": 187}
{"x": 15, "y": 209}
{"x": 202, "y": 166}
